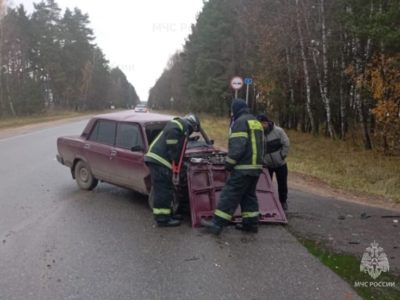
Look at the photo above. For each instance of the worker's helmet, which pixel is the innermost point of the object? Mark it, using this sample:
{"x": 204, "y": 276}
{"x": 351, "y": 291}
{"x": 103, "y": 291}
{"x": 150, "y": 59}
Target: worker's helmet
{"x": 193, "y": 121}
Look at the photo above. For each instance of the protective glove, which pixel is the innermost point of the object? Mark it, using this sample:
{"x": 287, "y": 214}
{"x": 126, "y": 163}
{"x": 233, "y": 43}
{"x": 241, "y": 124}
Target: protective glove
{"x": 194, "y": 138}
{"x": 229, "y": 167}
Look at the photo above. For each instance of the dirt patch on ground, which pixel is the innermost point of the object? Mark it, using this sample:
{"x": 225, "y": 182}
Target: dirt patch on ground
{"x": 316, "y": 186}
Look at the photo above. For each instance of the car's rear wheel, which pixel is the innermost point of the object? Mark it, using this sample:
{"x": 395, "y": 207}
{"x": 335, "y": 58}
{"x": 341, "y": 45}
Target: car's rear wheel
{"x": 84, "y": 177}
{"x": 174, "y": 204}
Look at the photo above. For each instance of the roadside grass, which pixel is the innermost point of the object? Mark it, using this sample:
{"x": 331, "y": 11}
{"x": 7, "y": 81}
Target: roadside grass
{"x": 348, "y": 268}
{"x": 8, "y": 122}
{"x": 345, "y": 165}
{"x": 217, "y": 128}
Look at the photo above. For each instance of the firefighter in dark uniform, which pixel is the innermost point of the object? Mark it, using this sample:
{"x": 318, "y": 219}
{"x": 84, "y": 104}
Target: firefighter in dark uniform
{"x": 163, "y": 153}
{"x": 244, "y": 161}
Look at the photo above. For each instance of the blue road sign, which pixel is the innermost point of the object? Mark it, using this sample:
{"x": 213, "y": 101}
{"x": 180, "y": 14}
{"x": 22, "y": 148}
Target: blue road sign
{"x": 248, "y": 80}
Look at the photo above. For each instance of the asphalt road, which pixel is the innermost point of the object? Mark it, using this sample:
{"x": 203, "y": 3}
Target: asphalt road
{"x": 58, "y": 242}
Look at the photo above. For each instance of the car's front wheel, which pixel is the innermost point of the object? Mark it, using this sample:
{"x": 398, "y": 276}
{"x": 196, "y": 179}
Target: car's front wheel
{"x": 84, "y": 177}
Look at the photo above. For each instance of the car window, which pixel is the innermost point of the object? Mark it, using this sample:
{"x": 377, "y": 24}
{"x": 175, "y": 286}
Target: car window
{"x": 128, "y": 136}
{"x": 103, "y": 132}
{"x": 153, "y": 130}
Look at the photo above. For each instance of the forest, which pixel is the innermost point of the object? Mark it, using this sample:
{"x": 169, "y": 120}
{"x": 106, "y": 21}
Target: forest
{"x": 49, "y": 61}
{"x": 327, "y": 67}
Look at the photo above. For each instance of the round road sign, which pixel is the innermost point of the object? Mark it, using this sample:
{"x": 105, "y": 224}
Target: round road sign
{"x": 248, "y": 80}
{"x": 237, "y": 83}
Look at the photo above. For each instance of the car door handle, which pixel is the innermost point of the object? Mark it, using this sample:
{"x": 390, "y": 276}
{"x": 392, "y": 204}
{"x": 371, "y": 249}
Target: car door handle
{"x": 113, "y": 152}
{"x": 87, "y": 146}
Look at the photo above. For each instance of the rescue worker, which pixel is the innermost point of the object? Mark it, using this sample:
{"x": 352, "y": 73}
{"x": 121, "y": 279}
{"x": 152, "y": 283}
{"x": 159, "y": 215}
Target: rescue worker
{"x": 244, "y": 162}
{"x": 276, "y": 150}
{"x": 165, "y": 151}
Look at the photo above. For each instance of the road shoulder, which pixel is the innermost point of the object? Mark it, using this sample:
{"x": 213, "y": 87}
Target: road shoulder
{"x": 313, "y": 185}
{"x": 19, "y": 130}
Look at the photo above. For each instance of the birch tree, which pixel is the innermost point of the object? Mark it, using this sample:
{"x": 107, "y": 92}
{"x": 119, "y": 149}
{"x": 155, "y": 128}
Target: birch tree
{"x": 305, "y": 68}
{"x": 2, "y": 12}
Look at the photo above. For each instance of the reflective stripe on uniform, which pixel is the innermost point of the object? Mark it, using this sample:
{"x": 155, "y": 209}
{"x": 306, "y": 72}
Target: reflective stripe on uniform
{"x": 242, "y": 134}
{"x": 223, "y": 215}
{"x": 155, "y": 140}
{"x": 159, "y": 159}
{"x": 161, "y": 211}
{"x": 254, "y": 146}
{"x": 230, "y": 160}
{"x": 155, "y": 156}
{"x": 172, "y": 142}
{"x": 254, "y": 125}
{"x": 179, "y": 124}
{"x": 248, "y": 167}
{"x": 250, "y": 214}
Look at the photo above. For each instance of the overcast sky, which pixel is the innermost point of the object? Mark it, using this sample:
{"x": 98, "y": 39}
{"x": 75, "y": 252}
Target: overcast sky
{"x": 139, "y": 36}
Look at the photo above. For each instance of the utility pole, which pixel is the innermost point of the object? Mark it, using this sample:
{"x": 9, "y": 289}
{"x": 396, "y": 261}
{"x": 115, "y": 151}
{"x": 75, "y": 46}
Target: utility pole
{"x": 247, "y": 82}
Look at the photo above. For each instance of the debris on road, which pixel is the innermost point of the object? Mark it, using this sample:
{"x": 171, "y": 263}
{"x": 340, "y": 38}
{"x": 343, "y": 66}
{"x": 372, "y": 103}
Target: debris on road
{"x": 194, "y": 258}
{"x": 365, "y": 216}
{"x": 354, "y": 242}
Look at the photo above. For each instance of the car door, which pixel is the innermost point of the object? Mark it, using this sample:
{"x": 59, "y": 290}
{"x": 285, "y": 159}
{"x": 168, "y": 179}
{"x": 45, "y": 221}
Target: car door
{"x": 128, "y": 159}
{"x": 99, "y": 149}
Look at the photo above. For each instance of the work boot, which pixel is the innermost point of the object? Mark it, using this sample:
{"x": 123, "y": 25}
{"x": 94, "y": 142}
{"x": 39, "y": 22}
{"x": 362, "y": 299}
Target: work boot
{"x": 284, "y": 206}
{"x": 252, "y": 228}
{"x": 211, "y": 227}
{"x": 169, "y": 223}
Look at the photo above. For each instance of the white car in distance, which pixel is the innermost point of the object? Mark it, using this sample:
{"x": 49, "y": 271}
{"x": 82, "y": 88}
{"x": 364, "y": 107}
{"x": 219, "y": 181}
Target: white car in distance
{"x": 141, "y": 108}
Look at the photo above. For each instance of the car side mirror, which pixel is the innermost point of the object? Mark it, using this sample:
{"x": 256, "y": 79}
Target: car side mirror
{"x": 137, "y": 148}
{"x": 211, "y": 142}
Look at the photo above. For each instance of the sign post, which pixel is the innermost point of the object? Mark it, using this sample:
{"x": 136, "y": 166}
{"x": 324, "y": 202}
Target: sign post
{"x": 236, "y": 84}
{"x": 248, "y": 81}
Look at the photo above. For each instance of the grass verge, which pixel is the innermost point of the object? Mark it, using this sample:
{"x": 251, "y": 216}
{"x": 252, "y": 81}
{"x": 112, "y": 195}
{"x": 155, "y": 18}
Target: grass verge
{"x": 348, "y": 268}
{"x": 10, "y": 122}
{"x": 344, "y": 165}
